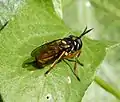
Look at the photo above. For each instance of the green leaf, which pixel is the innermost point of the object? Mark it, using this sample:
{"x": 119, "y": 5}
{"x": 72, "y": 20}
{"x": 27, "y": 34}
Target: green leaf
{"x": 7, "y": 10}
{"x": 107, "y": 87}
{"x": 104, "y": 17}
{"x": 107, "y": 18}
{"x": 35, "y": 24}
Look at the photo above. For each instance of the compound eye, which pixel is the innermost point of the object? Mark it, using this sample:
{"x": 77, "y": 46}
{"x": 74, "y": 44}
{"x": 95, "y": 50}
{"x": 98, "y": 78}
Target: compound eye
{"x": 80, "y": 43}
{"x": 78, "y": 46}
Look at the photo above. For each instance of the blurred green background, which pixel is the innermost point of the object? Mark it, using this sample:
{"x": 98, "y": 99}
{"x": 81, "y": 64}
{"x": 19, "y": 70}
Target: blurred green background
{"x": 104, "y": 17}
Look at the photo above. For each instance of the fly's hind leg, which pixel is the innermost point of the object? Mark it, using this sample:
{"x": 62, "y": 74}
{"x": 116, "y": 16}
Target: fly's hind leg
{"x": 54, "y": 63}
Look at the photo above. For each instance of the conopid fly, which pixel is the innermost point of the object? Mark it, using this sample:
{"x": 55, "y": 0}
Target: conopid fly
{"x": 58, "y": 50}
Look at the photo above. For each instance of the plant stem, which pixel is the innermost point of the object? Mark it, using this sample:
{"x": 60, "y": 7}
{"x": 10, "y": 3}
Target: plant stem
{"x": 107, "y": 87}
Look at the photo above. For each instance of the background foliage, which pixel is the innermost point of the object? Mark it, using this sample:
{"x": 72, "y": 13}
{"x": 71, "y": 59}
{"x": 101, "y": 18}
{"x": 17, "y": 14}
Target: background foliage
{"x": 103, "y": 15}
{"x": 33, "y": 25}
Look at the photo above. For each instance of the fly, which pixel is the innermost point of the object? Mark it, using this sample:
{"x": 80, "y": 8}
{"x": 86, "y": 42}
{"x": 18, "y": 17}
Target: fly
{"x": 57, "y": 51}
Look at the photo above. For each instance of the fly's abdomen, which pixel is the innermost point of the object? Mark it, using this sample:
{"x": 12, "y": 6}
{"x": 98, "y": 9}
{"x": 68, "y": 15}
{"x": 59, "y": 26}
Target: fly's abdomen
{"x": 48, "y": 57}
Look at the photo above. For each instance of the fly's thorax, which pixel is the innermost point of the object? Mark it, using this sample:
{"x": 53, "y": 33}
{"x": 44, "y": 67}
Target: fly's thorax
{"x": 71, "y": 44}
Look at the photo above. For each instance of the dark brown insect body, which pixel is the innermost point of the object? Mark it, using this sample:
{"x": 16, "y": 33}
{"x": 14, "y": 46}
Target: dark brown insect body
{"x": 54, "y": 49}
{"x": 57, "y": 50}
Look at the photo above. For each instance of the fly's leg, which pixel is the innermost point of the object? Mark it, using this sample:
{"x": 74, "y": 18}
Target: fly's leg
{"x": 75, "y": 67}
{"x": 76, "y": 60}
{"x": 72, "y": 70}
{"x": 54, "y": 63}
{"x": 79, "y": 62}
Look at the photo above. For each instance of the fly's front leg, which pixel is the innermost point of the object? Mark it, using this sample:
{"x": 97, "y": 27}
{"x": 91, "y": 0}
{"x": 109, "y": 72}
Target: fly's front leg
{"x": 71, "y": 70}
{"x": 77, "y": 62}
{"x": 54, "y": 63}
{"x": 75, "y": 67}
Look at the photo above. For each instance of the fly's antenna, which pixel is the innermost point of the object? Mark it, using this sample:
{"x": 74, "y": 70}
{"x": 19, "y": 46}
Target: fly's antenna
{"x": 85, "y": 31}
